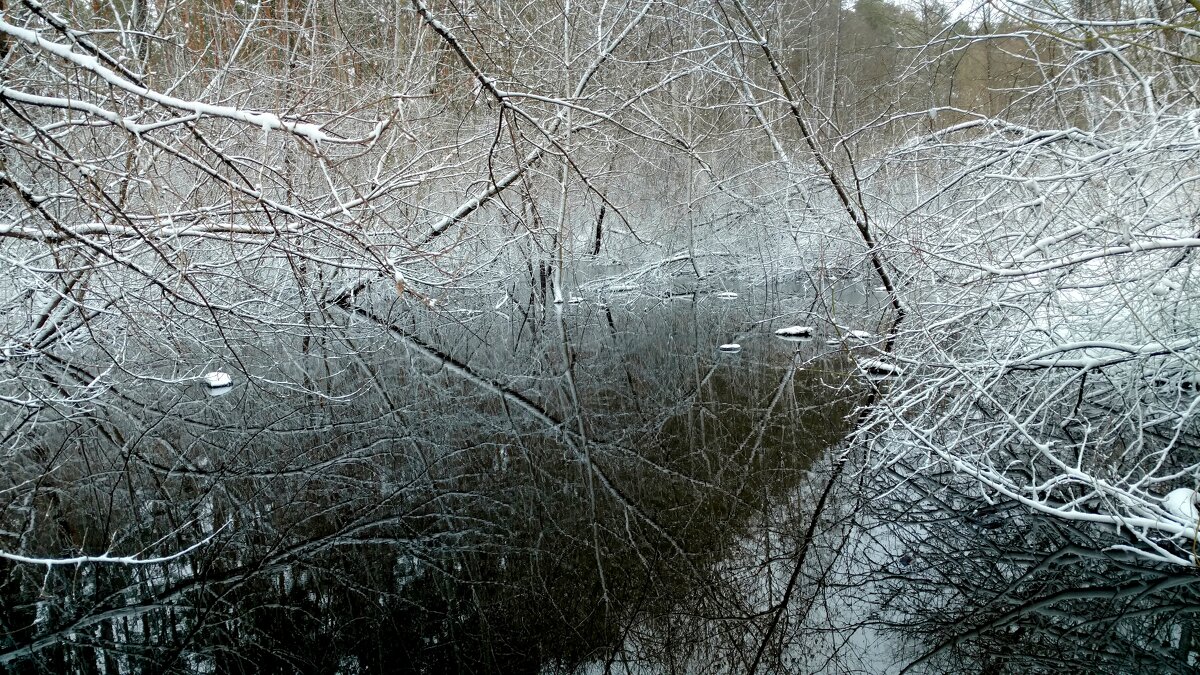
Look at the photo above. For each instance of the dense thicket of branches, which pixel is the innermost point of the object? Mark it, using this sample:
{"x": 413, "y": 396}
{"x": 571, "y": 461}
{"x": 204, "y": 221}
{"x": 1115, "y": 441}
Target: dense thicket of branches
{"x": 187, "y": 185}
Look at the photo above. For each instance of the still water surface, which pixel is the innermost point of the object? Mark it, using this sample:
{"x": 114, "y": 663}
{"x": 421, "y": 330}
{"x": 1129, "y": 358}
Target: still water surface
{"x": 479, "y": 489}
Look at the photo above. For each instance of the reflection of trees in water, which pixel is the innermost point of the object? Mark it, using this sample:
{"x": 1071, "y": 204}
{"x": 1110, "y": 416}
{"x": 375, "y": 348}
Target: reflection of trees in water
{"x": 439, "y": 520}
{"x": 472, "y": 508}
{"x": 984, "y": 585}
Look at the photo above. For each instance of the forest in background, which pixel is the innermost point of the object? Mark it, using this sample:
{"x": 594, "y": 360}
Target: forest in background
{"x": 184, "y": 183}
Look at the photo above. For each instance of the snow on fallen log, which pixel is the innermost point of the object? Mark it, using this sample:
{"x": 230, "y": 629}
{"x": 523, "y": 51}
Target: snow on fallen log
{"x": 795, "y": 332}
{"x": 879, "y": 367}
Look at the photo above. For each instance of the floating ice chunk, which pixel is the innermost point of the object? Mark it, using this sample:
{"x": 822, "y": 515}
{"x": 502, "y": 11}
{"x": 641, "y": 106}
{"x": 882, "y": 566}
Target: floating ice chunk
{"x": 218, "y": 379}
{"x": 218, "y": 383}
{"x": 795, "y": 332}
{"x": 1181, "y": 502}
{"x": 726, "y": 295}
{"x": 731, "y": 348}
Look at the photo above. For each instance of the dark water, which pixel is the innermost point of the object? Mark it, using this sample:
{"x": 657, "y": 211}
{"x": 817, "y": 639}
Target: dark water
{"x": 508, "y": 487}
{"x": 469, "y": 490}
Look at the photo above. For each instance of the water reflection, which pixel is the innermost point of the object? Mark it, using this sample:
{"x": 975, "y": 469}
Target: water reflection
{"x": 526, "y": 488}
{"x": 431, "y": 492}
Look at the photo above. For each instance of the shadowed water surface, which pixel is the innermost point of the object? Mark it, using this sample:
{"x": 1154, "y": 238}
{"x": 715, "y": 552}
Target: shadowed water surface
{"x": 477, "y": 489}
